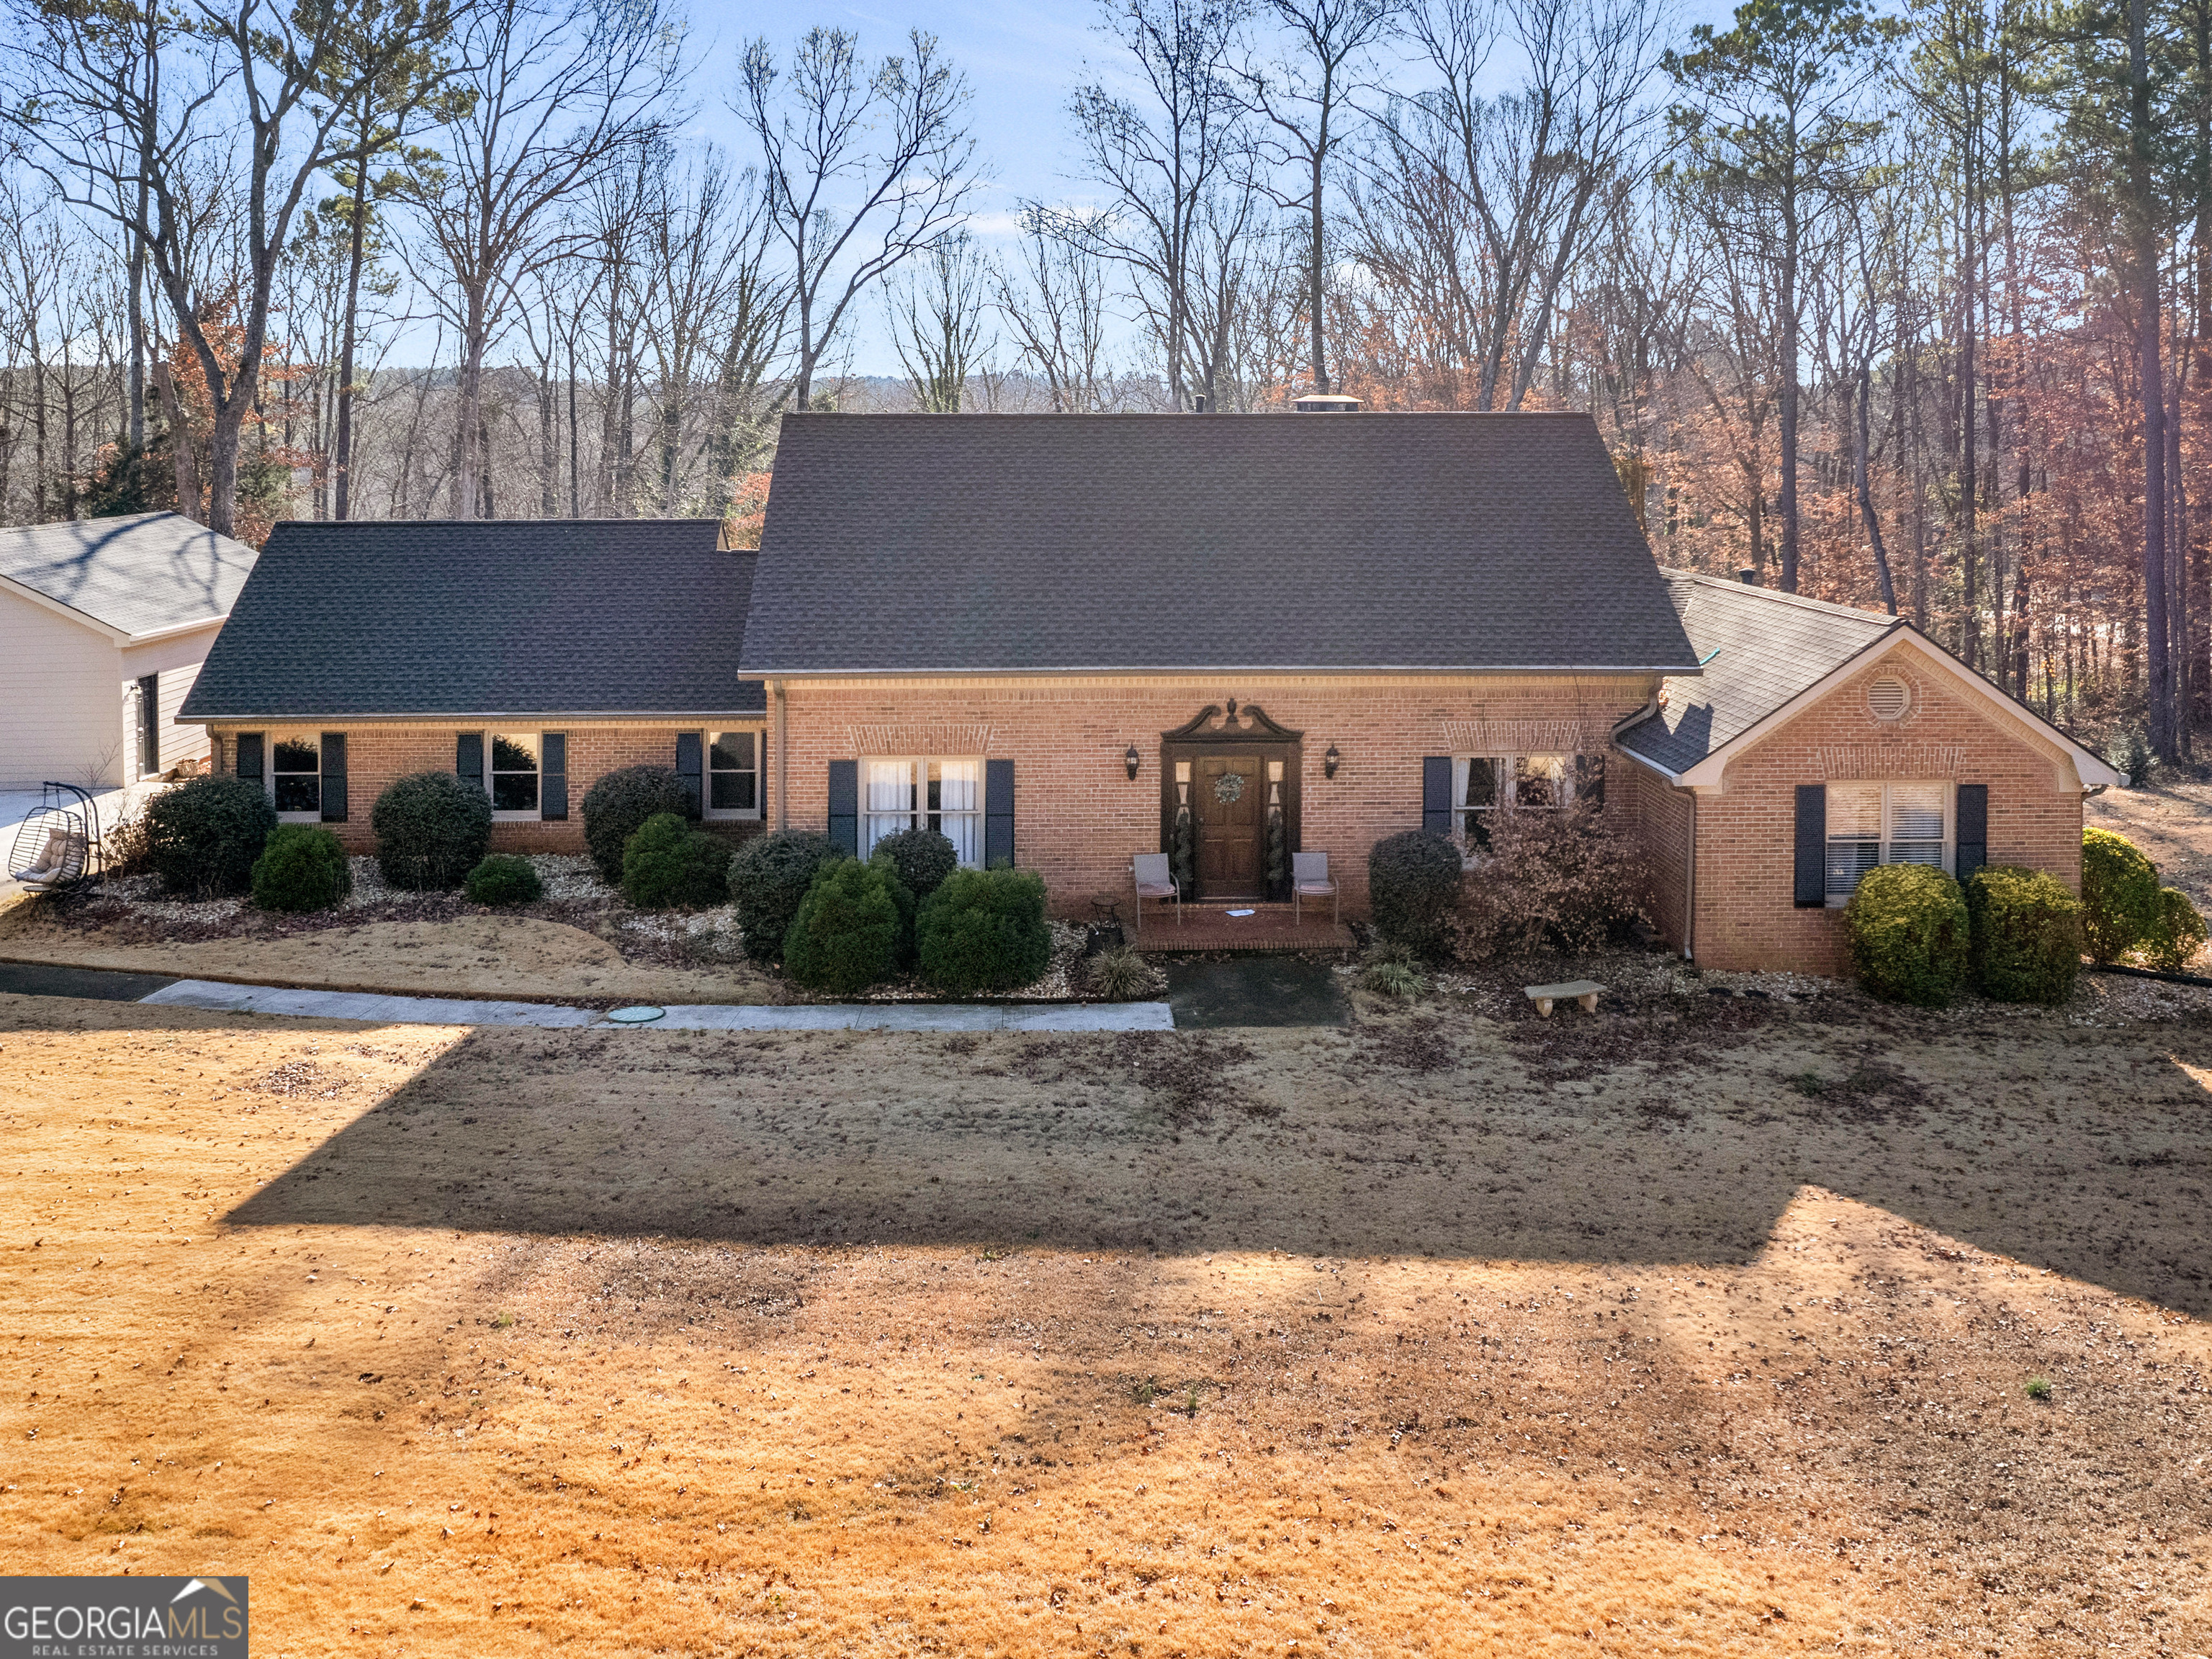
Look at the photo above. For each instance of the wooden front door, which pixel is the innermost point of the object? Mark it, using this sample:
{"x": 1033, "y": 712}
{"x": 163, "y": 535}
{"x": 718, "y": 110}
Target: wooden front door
{"x": 1229, "y": 797}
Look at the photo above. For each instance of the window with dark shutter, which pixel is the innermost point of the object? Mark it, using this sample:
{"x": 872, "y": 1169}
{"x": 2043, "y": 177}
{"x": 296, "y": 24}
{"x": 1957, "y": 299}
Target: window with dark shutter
{"x": 334, "y": 777}
{"x": 845, "y": 805}
{"x": 1811, "y": 887}
{"x": 1435, "y": 795}
{"x": 249, "y": 755}
{"x": 553, "y": 757}
{"x": 998, "y": 815}
{"x": 469, "y": 758}
{"x": 689, "y": 766}
{"x": 1973, "y": 849}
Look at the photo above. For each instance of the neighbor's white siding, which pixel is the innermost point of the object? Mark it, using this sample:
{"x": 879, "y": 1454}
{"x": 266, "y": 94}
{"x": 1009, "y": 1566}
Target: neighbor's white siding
{"x": 62, "y": 706}
{"x": 178, "y": 662}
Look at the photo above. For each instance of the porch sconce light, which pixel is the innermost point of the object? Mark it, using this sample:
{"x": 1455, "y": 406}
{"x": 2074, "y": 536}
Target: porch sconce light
{"x": 1132, "y": 760}
{"x": 1329, "y": 761}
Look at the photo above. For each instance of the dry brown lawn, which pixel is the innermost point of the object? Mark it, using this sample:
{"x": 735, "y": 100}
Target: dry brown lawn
{"x": 1661, "y": 1332}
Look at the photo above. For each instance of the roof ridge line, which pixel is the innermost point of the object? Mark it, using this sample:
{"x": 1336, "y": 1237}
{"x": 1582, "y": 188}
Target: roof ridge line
{"x": 1828, "y": 607}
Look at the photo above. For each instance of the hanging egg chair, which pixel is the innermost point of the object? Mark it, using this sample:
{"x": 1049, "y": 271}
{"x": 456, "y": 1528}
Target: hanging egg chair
{"x": 57, "y": 847}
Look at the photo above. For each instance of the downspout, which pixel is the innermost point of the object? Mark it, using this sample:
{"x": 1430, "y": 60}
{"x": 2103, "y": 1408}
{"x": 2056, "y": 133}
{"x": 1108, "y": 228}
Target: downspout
{"x": 1690, "y": 887}
{"x": 782, "y": 758}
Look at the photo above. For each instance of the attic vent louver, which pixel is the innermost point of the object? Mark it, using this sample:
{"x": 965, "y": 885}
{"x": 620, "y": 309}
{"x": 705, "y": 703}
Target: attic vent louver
{"x": 1888, "y": 698}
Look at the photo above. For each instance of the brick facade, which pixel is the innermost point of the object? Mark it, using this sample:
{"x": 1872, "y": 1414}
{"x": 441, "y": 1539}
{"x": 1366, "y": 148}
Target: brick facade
{"x": 1745, "y": 916}
{"x": 1079, "y": 817}
{"x": 378, "y": 755}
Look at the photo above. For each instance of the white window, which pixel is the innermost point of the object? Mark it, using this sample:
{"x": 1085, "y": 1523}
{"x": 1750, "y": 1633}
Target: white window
{"x": 1484, "y": 784}
{"x": 733, "y": 775}
{"x": 295, "y": 777}
{"x": 513, "y": 757}
{"x": 1872, "y": 824}
{"x": 943, "y": 795}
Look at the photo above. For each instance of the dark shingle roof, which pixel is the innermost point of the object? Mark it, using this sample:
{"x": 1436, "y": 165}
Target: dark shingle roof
{"x": 1760, "y": 648}
{"x": 1017, "y": 542}
{"x": 141, "y": 573}
{"x": 513, "y": 617}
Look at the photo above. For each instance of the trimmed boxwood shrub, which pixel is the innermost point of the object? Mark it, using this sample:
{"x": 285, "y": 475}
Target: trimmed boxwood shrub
{"x": 1412, "y": 886}
{"x": 617, "y": 806}
{"x": 768, "y": 881}
{"x": 845, "y": 936}
{"x": 2120, "y": 894}
{"x": 1910, "y": 932}
{"x": 431, "y": 830}
{"x": 667, "y": 862}
{"x": 202, "y": 836}
{"x": 983, "y": 930}
{"x": 2026, "y": 934}
{"x": 2177, "y": 935}
{"x": 302, "y": 867}
{"x": 922, "y": 858}
{"x": 503, "y": 878}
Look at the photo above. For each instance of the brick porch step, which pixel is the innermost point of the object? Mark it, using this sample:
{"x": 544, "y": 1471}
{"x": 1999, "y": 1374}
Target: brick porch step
{"x": 1209, "y": 926}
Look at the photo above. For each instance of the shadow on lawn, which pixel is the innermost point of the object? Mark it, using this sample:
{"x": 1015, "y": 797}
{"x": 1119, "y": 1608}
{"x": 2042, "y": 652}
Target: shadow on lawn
{"x": 1192, "y": 1142}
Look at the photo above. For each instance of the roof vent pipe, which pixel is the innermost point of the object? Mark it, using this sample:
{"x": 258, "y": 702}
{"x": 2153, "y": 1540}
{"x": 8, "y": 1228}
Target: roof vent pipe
{"x": 1198, "y": 403}
{"x": 1748, "y": 575}
{"x": 1326, "y": 403}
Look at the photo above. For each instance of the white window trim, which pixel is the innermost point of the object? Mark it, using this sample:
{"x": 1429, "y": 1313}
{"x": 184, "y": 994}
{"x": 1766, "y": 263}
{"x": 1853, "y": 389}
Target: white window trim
{"x": 535, "y": 814}
{"x": 919, "y": 815}
{"x": 269, "y": 742}
{"x": 1838, "y": 901}
{"x": 732, "y": 814}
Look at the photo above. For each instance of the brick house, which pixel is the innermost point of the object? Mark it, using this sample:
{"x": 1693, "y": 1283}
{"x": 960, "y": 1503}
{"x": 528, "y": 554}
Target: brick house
{"x": 1063, "y": 641}
{"x": 531, "y": 657}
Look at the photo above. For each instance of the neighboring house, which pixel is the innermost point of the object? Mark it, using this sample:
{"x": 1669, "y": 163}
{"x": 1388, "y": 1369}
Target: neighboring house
{"x": 532, "y": 657}
{"x": 1053, "y": 637}
{"x": 1816, "y": 742}
{"x": 104, "y": 623}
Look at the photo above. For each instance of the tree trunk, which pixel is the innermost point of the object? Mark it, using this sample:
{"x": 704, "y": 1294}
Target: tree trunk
{"x": 342, "y": 461}
{"x": 2142, "y": 136}
{"x": 182, "y": 456}
{"x": 1788, "y": 321}
{"x": 1317, "y": 255}
{"x": 1872, "y": 518}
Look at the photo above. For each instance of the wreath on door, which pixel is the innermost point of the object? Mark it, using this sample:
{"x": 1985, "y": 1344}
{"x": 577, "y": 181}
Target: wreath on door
{"x": 1229, "y": 787}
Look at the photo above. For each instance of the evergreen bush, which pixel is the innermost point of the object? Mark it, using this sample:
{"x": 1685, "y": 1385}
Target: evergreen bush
{"x": 202, "y": 836}
{"x": 921, "y": 859}
{"x": 503, "y": 878}
{"x": 983, "y": 930}
{"x": 667, "y": 862}
{"x": 2120, "y": 905}
{"x": 2175, "y": 935}
{"x": 846, "y": 935}
{"x": 1413, "y": 885}
{"x": 2026, "y": 938}
{"x": 617, "y": 806}
{"x": 769, "y": 879}
{"x": 431, "y": 830}
{"x": 302, "y": 867}
{"x": 1909, "y": 934}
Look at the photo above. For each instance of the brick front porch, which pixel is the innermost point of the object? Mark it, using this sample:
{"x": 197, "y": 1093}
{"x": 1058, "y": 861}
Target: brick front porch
{"x": 1209, "y": 926}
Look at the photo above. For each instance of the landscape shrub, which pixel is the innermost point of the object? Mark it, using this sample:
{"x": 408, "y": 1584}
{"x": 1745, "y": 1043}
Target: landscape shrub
{"x": 431, "y": 830}
{"x": 922, "y": 859}
{"x": 983, "y": 930}
{"x": 2026, "y": 934}
{"x": 202, "y": 836}
{"x": 302, "y": 867}
{"x": 667, "y": 862}
{"x": 1120, "y": 975}
{"x": 1393, "y": 971}
{"x": 503, "y": 878}
{"x": 2120, "y": 905}
{"x": 617, "y": 806}
{"x": 1550, "y": 880}
{"x": 846, "y": 935}
{"x": 1909, "y": 934}
{"x": 2175, "y": 935}
{"x": 768, "y": 880}
{"x": 1412, "y": 883}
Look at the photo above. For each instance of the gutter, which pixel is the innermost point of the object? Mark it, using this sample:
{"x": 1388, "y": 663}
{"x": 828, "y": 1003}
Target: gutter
{"x": 782, "y": 756}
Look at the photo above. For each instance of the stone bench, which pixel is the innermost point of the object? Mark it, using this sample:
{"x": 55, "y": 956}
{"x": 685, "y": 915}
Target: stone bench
{"x": 1585, "y": 991}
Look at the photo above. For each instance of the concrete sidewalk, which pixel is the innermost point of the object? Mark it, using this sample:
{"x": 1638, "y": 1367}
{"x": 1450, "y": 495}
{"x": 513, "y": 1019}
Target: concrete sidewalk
{"x": 711, "y": 1017}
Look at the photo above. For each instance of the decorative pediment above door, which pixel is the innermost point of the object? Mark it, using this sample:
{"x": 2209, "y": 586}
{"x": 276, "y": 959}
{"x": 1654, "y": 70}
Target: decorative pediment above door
{"x": 1246, "y": 724}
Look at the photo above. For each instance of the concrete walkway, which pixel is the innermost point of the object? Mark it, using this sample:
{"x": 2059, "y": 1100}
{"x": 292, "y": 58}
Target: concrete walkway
{"x": 710, "y": 1016}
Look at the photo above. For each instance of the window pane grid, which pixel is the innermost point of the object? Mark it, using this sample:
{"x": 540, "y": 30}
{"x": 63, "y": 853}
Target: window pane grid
{"x": 943, "y": 795}
{"x": 1876, "y": 824}
{"x": 295, "y": 776}
{"x": 732, "y": 772}
{"x": 513, "y": 772}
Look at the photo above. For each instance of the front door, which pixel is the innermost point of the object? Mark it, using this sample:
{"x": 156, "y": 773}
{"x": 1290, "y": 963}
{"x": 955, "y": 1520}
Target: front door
{"x": 1229, "y": 799}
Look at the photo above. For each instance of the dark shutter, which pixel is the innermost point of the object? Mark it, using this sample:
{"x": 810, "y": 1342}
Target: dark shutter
{"x": 249, "y": 755}
{"x": 1973, "y": 829}
{"x": 998, "y": 815}
{"x": 553, "y": 776}
{"x": 334, "y": 777}
{"x": 1590, "y": 782}
{"x": 1812, "y": 845}
{"x": 1435, "y": 795}
{"x": 468, "y": 758}
{"x": 688, "y": 764}
{"x": 845, "y": 805}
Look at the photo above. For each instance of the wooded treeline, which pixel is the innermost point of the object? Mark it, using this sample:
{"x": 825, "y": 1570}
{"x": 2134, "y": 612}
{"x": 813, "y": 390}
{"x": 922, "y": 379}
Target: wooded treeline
{"x": 1894, "y": 307}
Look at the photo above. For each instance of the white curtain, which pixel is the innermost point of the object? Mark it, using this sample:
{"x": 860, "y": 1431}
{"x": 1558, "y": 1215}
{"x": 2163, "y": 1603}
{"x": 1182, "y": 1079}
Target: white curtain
{"x": 959, "y": 791}
{"x": 890, "y": 804}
